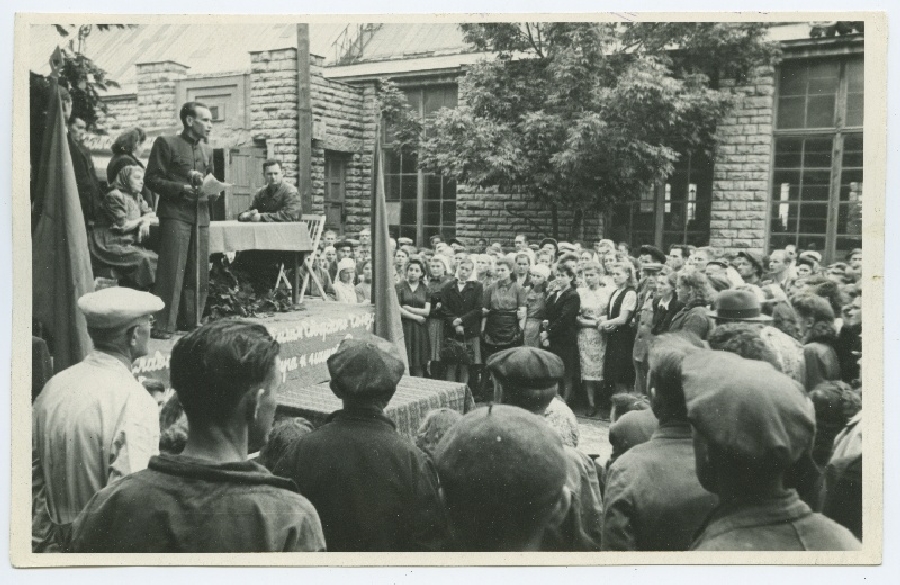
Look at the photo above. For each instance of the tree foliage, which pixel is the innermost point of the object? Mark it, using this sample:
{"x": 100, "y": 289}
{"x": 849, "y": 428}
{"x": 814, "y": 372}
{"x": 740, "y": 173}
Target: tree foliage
{"x": 584, "y": 115}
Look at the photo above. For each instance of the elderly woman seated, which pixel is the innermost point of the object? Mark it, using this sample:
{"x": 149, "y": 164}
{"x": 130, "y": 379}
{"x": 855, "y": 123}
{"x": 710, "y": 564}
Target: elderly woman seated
{"x": 122, "y": 223}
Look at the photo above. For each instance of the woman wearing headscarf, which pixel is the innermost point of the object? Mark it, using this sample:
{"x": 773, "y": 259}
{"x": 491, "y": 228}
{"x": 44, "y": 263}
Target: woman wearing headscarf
{"x": 127, "y": 150}
{"x": 122, "y": 223}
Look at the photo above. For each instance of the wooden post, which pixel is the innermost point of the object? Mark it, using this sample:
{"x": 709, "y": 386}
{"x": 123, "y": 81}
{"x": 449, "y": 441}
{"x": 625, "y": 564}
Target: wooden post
{"x": 304, "y": 119}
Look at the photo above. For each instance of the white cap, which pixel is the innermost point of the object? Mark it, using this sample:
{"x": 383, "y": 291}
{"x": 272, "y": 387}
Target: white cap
{"x": 118, "y": 307}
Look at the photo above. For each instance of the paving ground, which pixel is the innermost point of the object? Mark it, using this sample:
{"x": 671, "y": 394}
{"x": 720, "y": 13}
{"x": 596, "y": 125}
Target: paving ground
{"x": 594, "y": 437}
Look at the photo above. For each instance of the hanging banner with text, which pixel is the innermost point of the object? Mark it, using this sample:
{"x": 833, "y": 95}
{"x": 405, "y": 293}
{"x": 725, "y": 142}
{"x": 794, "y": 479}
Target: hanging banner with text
{"x": 307, "y": 339}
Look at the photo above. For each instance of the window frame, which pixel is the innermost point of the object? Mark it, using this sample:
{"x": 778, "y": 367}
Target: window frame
{"x": 838, "y": 132}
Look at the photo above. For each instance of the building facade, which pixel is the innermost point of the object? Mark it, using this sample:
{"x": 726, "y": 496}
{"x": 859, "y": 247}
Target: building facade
{"x": 787, "y": 168}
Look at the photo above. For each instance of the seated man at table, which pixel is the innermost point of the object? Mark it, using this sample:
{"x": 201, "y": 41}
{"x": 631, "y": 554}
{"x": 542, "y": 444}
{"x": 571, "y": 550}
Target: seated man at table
{"x": 374, "y": 489}
{"x": 277, "y": 201}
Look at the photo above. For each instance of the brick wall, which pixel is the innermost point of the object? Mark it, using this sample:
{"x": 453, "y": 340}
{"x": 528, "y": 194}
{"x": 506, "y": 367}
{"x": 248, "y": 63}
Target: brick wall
{"x": 156, "y": 99}
{"x": 743, "y": 158}
{"x": 121, "y": 115}
{"x": 500, "y": 217}
{"x": 273, "y": 105}
{"x": 346, "y": 113}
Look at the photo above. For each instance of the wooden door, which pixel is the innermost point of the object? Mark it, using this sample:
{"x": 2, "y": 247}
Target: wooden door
{"x": 335, "y": 192}
{"x": 243, "y": 169}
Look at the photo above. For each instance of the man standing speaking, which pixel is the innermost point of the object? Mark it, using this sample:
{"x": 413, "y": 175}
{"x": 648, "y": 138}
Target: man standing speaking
{"x": 175, "y": 171}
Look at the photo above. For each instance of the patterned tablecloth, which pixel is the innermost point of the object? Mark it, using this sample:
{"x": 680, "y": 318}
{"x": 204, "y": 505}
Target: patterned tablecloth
{"x": 409, "y": 406}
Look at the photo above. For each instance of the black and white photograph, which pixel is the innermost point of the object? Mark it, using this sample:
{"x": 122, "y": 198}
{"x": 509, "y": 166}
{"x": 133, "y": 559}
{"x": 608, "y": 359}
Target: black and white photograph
{"x": 449, "y": 290}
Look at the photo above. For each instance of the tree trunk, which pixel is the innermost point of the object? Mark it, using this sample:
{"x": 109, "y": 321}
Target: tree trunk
{"x": 577, "y": 221}
{"x": 554, "y": 220}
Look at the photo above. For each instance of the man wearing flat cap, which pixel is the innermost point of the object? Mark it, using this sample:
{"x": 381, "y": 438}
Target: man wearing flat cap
{"x": 654, "y": 501}
{"x": 503, "y": 473}
{"x": 751, "y": 424}
{"x": 93, "y": 423}
{"x": 375, "y": 491}
{"x": 645, "y": 296}
{"x": 529, "y": 378}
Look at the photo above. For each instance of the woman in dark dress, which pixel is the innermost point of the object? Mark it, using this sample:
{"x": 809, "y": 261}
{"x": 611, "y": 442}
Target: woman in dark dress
{"x": 618, "y": 367}
{"x": 414, "y": 309}
{"x": 439, "y": 275}
{"x": 122, "y": 223}
{"x": 697, "y": 295}
{"x": 666, "y": 304}
{"x": 462, "y": 300}
{"x": 560, "y": 334}
{"x": 127, "y": 151}
{"x": 505, "y": 310}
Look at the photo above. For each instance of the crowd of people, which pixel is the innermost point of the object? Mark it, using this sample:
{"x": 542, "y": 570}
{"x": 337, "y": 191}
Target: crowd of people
{"x": 598, "y": 307}
{"x": 735, "y": 416}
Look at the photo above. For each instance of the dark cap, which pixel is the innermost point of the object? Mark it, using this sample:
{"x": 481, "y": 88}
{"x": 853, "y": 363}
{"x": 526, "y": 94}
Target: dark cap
{"x": 365, "y": 367}
{"x": 747, "y": 409}
{"x": 546, "y": 241}
{"x": 343, "y": 244}
{"x": 526, "y": 366}
{"x": 501, "y": 461}
{"x": 654, "y": 252}
{"x": 754, "y": 259}
{"x": 738, "y": 305}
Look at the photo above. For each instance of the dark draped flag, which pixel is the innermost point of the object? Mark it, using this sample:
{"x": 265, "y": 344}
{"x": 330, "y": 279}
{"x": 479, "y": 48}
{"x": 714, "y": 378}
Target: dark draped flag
{"x": 60, "y": 261}
{"x": 387, "y": 308}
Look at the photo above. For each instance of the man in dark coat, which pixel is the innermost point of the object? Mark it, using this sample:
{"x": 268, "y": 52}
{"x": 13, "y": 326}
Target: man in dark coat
{"x": 373, "y": 488}
{"x": 654, "y": 501}
{"x": 175, "y": 171}
{"x": 85, "y": 173}
{"x": 751, "y": 424}
{"x": 529, "y": 377}
{"x": 211, "y": 497}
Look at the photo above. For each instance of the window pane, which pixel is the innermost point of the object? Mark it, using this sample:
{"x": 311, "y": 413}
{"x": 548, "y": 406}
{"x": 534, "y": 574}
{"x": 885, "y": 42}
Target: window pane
{"x": 408, "y": 231}
{"x": 408, "y": 212}
{"x": 409, "y": 163}
{"x": 449, "y": 189}
{"x": 410, "y": 187}
{"x": 784, "y": 217}
{"x": 849, "y": 219}
{"x": 814, "y": 193}
{"x": 853, "y": 150}
{"x": 854, "y": 72}
{"x": 844, "y": 246}
{"x": 779, "y": 242}
{"x": 824, "y": 78}
{"x": 820, "y": 111}
{"x": 805, "y": 242}
{"x": 431, "y": 208}
{"x": 392, "y": 187}
{"x": 675, "y": 219}
{"x": 787, "y": 152}
{"x": 817, "y": 178}
{"x": 793, "y": 79}
{"x": 392, "y": 162}
{"x": 854, "y": 112}
{"x": 851, "y": 185}
{"x": 813, "y": 218}
{"x": 449, "y": 213}
{"x": 786, "y": 186}
{"x": 414, "y": 97}
{"x": 433, "y": 186}
{"x": 817, "y": 152}
{"x": 791, "y": 112}
{"x": 439, "y": 97}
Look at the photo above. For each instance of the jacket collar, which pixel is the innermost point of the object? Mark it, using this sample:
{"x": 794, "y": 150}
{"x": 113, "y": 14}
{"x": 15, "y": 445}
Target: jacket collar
{"x": 787, "y": 507}
{"x": 672, "y": 430}
{"x": 187, "y": 137}
{"x": 360, "y": 413}
{"x": 239, "y": 472}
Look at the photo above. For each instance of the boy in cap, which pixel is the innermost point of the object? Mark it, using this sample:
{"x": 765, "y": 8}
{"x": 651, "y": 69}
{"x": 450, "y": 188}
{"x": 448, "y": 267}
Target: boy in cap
{"x": 751, "y": 424}
{"x": 529, "y": 378}
{"x": 654, "y": 501}
{"x": 373, "y": 488}
{"x": 93, "y": 423}
{"x": 211, "y": 497}
{"x": 503, "y": 473}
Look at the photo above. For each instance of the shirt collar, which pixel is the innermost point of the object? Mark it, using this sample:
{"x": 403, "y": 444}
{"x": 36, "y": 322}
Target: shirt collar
{"x": 187, "y": 137}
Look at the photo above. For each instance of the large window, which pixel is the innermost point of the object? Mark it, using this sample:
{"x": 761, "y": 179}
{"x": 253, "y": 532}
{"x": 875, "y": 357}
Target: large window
{"x": 675, "y": 212}
{"x": 420, "y": 204}
{"x": 817, "y": 176}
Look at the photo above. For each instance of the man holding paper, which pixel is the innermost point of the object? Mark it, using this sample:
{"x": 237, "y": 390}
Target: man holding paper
{"x": 176, "y": 171}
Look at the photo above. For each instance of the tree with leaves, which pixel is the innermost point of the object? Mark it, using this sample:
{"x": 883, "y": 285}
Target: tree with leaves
{"x": 582, "y": 116}
{"x": 79, "y": 76}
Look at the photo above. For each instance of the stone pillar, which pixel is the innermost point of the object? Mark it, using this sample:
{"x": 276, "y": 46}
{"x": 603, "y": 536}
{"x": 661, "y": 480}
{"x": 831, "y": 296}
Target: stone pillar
{"x": 156, "y": 95}
{"x": 273, "y": 105}
{"x": 741, "y": 187}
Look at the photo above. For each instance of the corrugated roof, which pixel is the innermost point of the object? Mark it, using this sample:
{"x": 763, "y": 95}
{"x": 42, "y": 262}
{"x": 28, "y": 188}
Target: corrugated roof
{"x": 205, "y": 48}
{"x": 398, "y": 40}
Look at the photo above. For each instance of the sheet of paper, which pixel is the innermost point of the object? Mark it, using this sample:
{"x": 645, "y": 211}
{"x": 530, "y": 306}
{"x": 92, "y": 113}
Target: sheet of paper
{"x": 212, "y": 186}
